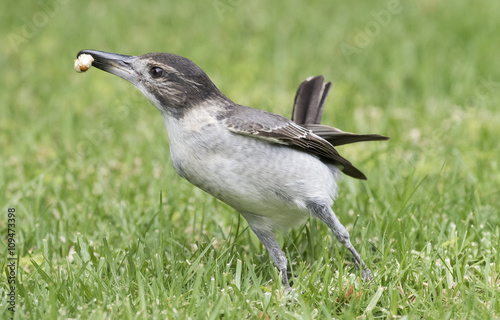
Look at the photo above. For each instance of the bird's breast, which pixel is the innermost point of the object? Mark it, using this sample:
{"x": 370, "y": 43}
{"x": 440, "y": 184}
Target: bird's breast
{"x": 249, "y": 174}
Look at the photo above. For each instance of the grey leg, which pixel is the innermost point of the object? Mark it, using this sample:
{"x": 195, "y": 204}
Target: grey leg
{"x": 269, "y": 241}
{"x": 326, "y": 214}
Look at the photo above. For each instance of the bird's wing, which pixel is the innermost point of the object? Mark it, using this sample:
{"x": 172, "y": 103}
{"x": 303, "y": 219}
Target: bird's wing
{"x": 275, "y": 128}
{"x": 338, "y": 137}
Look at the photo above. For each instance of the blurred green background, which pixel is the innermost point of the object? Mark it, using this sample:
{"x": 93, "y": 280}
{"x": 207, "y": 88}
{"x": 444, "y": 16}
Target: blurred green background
{"x": 84, "y": 159}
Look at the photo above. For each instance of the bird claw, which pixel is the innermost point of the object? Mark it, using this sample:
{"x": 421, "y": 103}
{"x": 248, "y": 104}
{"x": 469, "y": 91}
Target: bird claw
{"x": 366, "y": 274}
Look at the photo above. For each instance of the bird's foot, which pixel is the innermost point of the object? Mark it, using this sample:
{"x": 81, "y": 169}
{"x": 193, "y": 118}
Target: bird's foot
{"x": 366, "y": 274}
{"x": 288, "y": 289}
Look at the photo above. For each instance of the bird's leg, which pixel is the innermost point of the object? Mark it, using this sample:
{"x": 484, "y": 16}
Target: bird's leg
{"x": 326, "y": 214}
{"x": 269, "y": 241}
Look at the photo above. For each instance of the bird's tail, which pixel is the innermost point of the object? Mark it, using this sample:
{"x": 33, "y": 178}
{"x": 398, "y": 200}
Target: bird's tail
{"x": 308, "y": 109}
{"x": 310, "y": 100}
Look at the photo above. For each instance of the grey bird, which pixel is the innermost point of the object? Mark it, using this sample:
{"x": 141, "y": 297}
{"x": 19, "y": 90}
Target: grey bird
{"x": 275, "y": 172}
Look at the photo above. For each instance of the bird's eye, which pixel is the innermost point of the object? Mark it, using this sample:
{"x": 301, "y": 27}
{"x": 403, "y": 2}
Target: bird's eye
{"x": 156, "y": 72}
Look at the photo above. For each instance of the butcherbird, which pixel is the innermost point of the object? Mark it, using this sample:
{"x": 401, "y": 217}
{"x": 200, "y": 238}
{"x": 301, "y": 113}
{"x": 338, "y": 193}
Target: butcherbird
{"x": 274, "y": 171}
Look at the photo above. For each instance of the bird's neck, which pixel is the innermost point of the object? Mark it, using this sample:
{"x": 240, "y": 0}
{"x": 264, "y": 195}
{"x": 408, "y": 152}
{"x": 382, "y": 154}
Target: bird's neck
{"x": 194, "y": 118}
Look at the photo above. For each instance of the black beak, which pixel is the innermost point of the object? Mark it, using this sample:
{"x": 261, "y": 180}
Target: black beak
{"x": 114, "y": 63}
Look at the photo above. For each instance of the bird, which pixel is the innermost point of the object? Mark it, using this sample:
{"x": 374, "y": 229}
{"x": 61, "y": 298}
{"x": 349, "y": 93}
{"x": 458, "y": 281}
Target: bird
{"x": 275, "y": 172}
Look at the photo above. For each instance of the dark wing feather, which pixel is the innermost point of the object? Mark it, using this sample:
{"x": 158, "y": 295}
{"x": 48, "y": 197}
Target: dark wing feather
{"x": 269, "y": 126}
{"x": 338, "y": 137}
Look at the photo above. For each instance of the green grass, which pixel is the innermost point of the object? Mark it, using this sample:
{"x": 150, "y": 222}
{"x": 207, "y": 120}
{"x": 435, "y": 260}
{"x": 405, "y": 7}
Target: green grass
{"x": 107, "y": 230}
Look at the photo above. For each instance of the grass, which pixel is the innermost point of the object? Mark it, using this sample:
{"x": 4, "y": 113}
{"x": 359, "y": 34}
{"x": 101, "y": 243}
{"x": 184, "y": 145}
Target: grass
{"x": 107, "y": 230}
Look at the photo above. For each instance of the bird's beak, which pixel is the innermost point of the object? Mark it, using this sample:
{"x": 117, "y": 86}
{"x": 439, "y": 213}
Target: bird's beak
{"x": 114, "y": 63}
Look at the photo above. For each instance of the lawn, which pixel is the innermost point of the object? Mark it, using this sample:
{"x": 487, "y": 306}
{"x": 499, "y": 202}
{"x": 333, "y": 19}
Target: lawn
{"x": 105, "y": 229}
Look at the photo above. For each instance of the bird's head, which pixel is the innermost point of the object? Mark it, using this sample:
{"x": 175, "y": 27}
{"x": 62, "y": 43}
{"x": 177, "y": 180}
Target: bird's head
{"x": 172, "y": 83}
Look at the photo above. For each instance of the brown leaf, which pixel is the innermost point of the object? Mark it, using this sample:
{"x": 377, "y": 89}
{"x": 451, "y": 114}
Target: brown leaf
{"x": 349, "y": 295}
